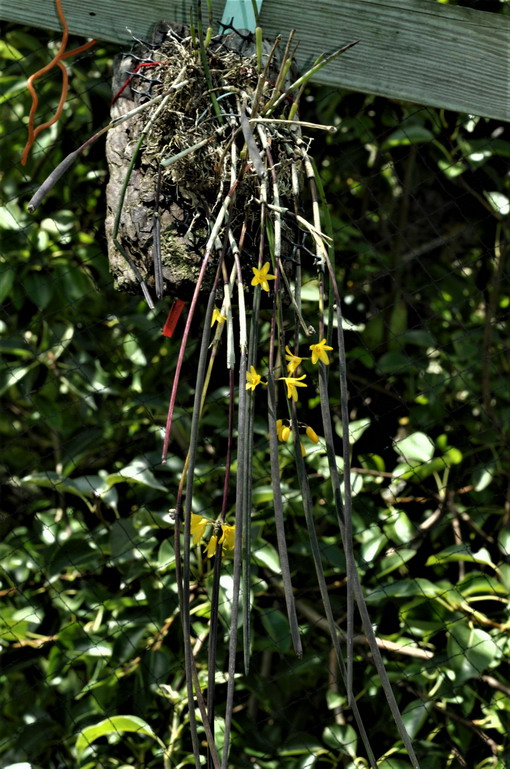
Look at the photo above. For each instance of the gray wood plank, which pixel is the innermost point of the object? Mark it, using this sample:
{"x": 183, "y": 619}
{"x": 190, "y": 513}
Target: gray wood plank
{"x": 418, "y": 51}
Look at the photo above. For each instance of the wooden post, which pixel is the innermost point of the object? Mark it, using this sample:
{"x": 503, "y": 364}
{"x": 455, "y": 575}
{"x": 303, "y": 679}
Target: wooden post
{"x": 419, "y": 51}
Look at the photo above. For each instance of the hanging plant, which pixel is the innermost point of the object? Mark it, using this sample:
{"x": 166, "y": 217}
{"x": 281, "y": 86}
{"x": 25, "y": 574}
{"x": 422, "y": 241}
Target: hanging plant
{"x": 213, "y": 193}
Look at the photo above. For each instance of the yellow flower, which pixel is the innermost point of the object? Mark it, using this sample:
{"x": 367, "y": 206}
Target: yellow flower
{"x": 282, "y": 431}
{"x": 211, "y": 546}
{"x": 303, "y": 450}
{"x": 217, "y": 317}
{"x": 262, "y": 276}
{"x": 312, "y": 434}
{"x": 319, "y": 352}
{"x": 294, "y": 361}
{"x": 292, "y": 383}
{"x": 253, "y": 379}
{"x": 228, "y": 536}
{"x": 198, "y": 526}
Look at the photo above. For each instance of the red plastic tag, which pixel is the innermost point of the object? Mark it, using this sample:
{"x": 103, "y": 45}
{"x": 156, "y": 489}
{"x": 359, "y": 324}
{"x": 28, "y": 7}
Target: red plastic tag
{"x": 173, "y": 317}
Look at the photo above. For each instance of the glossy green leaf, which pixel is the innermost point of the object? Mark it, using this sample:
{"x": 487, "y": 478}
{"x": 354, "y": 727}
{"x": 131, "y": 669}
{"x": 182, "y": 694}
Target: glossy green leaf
{"x": 416, "y": 447}
{"x": 75, "y": 555}
{"x": 499, "y": 202}
{"x": 262, "y": 494}
{"x": 504, "y": 541}
{"x": 134, "y": 352}
{"x": 406, "y": 588}
{"x": 8, "y": 52}
{"x": 414, "y": 716}
{"x": 394, "y": 561}
{"x": 265, "y": 554}
{"x": 15, "y": 623}
{"x": 456, "y": 553}
{"x": 483, "y": 476}
{"x": 113, "y": 725}
{"x": 87, "y": 486}
{"x": 372, "y": 542}
{"x": 356, "y": 429}
{"x": 136, "y": 472}
{"x": 11, "y": 376}
{"x": 399, "y": 528}
{"x": 6, "y": 282}
{"x": 301, "y": 743}
{"x": 341, "y": 738}
{"x": 470, "y": 651}
{"x": 408, "y": 134}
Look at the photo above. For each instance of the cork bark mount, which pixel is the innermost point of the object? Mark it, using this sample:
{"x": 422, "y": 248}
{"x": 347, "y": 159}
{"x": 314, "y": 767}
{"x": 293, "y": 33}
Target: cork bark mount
{"x": 187, "y": 194}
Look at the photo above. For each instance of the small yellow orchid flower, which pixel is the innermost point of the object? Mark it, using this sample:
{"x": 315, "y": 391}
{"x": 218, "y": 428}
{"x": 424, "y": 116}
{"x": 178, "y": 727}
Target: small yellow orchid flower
{"x": 211, "y": 546}
{"x": 294, "y": 361}
{"x": 227, "y": 538}
{"x": 292, "y": 383}
{"x": 198, "y": 526}
{"x": 261, "y": 277}
{"x": 253, "y": 379}
{"x": 217, "y": 317}
{"x": 319, "y": 352}
{"x": 282, "y": 431}
{"x": 312, "y": 434}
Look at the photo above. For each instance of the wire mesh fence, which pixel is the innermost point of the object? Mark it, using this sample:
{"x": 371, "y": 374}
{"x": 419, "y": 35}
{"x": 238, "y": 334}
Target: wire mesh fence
{"x": 93, "y": 670}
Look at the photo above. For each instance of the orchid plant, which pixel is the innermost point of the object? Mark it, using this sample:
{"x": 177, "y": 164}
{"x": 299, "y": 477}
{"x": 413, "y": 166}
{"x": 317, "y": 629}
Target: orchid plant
{"x": 259, "y": 159}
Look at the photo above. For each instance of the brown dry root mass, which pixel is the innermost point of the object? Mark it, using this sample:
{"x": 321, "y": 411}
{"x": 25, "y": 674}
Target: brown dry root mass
{"x": 191, "y": 190}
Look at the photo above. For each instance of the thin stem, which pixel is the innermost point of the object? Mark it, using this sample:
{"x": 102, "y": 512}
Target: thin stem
{"x": 185, "y": 592}
{"x": 278, "y": 501}
{"x": 215, "y": 592}
{"x": 342, "y": 511}
{"x": 238, "y": 546}
{"x": 314, "y": 545}
{"x": 209, "y": 247}
{"x": 319, "y": 64}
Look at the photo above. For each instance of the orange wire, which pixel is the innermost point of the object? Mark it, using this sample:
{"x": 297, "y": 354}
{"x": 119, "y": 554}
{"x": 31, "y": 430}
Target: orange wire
{"x": 55, "y": 62}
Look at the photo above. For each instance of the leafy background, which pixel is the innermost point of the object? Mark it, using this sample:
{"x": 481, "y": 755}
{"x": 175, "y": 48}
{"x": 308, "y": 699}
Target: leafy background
{"x": 89, "y": 617}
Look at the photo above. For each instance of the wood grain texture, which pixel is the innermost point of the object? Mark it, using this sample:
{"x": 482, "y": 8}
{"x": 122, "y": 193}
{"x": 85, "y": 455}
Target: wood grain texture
{"x": 413, "y": 50}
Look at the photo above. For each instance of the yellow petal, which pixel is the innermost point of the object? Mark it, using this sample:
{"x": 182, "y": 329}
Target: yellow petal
{"x": 197, "y": 527}
{"x": 228, "y": 536}
{"x": 312, "y": 434}
{"x": 211, "y": 546}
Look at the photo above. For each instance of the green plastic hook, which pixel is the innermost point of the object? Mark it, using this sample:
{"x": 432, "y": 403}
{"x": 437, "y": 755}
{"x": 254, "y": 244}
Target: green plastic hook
{"x": 241, "y": 14}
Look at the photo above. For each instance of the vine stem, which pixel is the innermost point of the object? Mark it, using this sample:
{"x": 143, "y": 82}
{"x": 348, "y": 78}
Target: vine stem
{"x": 180, "y": 359}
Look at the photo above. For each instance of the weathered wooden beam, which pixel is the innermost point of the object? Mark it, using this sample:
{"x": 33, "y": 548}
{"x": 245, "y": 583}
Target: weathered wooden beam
{"x": 419, "y": 51}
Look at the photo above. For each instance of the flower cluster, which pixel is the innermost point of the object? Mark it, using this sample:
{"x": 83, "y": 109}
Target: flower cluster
{"x": 283, "y": 431}
{"x": 294, "y": 361}
{"x": 227, "y": 539}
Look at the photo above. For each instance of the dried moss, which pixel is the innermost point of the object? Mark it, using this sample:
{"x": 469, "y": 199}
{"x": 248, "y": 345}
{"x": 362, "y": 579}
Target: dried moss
{"x": 192, "y": 189}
